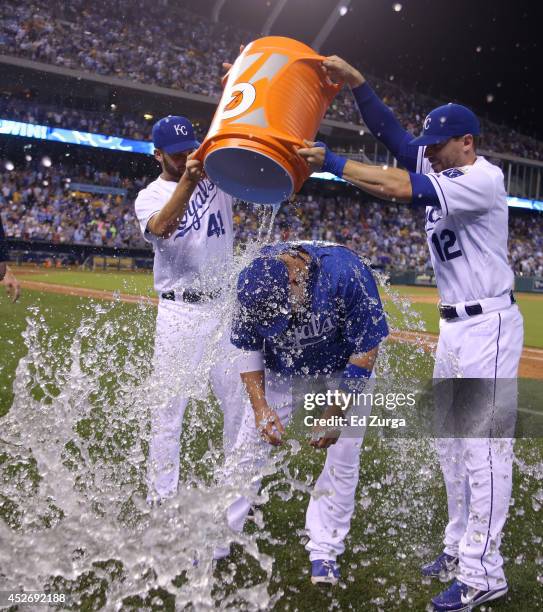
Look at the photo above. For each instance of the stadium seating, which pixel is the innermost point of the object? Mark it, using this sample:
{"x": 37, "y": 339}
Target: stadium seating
{"x": 185, "y": 52}
{"x": 40, "y": 204}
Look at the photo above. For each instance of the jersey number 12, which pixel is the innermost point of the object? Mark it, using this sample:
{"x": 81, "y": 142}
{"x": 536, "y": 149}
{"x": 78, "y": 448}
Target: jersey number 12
{"x": 215, "y": 227}
{"x": 444, "y": 244}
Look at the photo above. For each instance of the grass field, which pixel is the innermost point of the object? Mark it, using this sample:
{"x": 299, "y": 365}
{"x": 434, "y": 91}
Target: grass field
{"x": 142, "y": 284}
{"x": 139, "y": 283}
{"x": 400, "y": 511}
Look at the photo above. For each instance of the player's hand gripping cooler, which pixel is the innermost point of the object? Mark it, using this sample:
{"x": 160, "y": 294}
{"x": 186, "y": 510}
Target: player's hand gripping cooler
{"x": 275, "y": 96}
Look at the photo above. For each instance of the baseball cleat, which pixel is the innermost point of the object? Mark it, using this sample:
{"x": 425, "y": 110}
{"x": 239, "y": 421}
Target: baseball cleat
{"x": 324, "y": 571}
{"x": 461, "y": 597}
{"x": 444, "y": 567}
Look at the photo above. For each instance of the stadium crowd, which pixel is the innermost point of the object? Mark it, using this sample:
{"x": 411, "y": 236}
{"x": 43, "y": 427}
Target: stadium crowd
{"x": 178, "y": 50}
{"x": 391, "y": 236}
{"x": 41, "y": 204}
{"x": 58, "y": 205}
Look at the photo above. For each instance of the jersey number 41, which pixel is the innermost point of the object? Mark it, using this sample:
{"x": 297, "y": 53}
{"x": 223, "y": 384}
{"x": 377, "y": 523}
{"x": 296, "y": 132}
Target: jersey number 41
{"x": 215, "y": 226}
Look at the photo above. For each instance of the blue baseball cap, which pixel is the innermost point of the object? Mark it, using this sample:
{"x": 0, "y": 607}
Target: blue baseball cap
{"x": 447, "y": 121}
{"x": 263, "y": 292}
{"x": 174, "y": 134}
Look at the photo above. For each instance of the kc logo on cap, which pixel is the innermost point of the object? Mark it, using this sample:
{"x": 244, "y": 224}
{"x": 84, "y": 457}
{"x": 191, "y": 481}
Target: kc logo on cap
{"x": 180, "y": 129}
{"x": 447, "y": 121}
{"x": 174, "y": 134}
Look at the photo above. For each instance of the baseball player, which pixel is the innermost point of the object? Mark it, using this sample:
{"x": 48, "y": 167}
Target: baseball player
{"x": 306, "y": 309}
{"x": 481, "y": 328}
{"x": 188, "y": 220}
{"x": 7, "y": 277}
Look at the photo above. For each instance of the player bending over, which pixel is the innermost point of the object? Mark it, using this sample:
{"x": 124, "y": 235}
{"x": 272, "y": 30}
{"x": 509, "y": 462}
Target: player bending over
{"x": 307, "y": 309}
{"x": 481, "y": 328}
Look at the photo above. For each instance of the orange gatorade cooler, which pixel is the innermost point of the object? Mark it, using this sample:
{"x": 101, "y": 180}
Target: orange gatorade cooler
{"x": 276, "y": 94}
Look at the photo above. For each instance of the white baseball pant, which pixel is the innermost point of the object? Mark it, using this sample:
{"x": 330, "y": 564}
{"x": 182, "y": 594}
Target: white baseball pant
{"x": 478, "y": 470}
{"x": 191, "y": 348}
{"x": 331, "y": 505}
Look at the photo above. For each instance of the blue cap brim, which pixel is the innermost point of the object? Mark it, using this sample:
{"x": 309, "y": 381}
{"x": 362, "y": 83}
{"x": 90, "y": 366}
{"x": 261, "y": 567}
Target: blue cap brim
{"x": 179, "y": 147}
{"x": 423, "y": 140}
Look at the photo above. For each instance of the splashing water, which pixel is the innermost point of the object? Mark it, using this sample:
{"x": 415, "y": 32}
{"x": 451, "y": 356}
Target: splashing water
{"x": 267, "y": 220}
{"x": 73, "y": 447}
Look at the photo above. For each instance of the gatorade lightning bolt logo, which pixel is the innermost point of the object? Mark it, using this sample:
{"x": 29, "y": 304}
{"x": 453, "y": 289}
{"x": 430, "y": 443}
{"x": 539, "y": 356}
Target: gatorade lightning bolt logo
{"x": 237, "y": 97}
{"x": 242, "y": 98}
{"x": 239, "y": 101}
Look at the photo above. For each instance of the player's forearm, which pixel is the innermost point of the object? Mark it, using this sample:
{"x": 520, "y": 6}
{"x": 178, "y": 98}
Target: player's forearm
{"x": 363, "y": 366}
{"x": 164, "y": 223}
{"x": 356, "y": 375}
{"x": 382, "y": 182}
{"x": 254, "y": 385}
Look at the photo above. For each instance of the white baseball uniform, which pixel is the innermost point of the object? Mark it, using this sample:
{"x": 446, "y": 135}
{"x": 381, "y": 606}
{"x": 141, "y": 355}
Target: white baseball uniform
{"x": 467, "y": 236}
{"x": 192, "y": 341}
{"x": 332, "y": 503}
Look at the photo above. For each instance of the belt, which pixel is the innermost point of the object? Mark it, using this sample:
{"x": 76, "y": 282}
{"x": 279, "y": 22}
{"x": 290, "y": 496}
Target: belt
{"x": 448, "y": 312}
{"x": 191, "y": 296}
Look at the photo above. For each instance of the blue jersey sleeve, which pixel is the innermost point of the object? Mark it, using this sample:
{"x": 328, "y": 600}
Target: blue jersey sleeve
{"x": 423, "y": 189}
{"x": 244, "y": 335}
{"x": 3, "y": 247}
{"x": 385, "y": 127}
{"x": 365, "y": 320}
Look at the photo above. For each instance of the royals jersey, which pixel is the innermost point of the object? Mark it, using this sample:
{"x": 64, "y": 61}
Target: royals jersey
{"x": 196, "y": 255}
{"x": 344, "y": 315}
{"x": 467, "y": 233}
{"x": 466, "y": 222}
